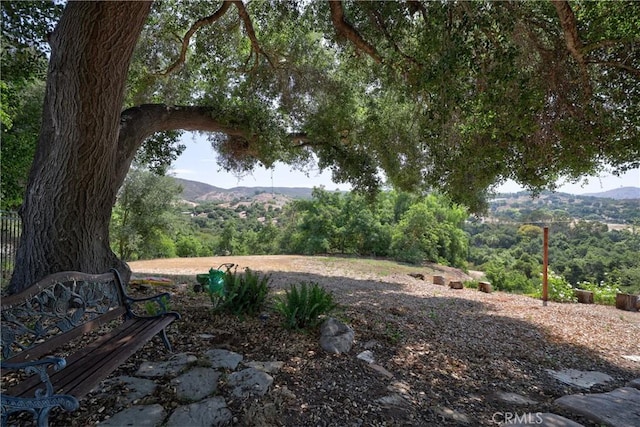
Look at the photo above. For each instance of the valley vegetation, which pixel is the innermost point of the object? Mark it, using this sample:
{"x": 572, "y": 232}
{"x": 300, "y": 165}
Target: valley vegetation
{"x": 150, "y": 221}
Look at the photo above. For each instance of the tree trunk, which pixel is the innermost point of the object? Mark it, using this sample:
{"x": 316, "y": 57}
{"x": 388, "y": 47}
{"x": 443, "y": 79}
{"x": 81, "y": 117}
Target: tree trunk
{"x": 79, "y": 165}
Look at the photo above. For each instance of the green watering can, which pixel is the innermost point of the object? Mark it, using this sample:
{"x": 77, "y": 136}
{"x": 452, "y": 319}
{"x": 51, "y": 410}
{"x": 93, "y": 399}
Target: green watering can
{"x": 216, "y": 282}
{"x": 213, "y": 282}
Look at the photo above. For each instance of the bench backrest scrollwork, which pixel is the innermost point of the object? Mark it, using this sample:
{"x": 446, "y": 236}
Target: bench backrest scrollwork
{"x": 55, "y": 310}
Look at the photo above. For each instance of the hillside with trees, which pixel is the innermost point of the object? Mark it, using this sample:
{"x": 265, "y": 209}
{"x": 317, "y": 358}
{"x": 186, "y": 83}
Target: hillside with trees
{"x": 506, "y": 244}
{"x": 547, "y": 206}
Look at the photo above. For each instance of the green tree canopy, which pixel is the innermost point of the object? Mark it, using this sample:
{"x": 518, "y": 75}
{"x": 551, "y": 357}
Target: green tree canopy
{"x": 144, "y": 216}
{"x": 456, "y": 96}
{"x": 453, "y": 96}
{"x": 24, "y": 64}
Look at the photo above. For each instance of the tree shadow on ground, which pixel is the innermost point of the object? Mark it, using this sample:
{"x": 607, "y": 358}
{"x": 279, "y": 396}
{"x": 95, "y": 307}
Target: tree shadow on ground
{"x": 465, "y": 345}
{"x": 449, "y": 354}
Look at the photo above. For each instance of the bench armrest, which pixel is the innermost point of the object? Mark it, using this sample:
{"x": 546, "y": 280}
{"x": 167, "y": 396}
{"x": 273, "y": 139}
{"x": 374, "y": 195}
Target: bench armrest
{"x": 44, "y": 399}
{"x": 38, "y": 367}
{"x": 153, "y": 306}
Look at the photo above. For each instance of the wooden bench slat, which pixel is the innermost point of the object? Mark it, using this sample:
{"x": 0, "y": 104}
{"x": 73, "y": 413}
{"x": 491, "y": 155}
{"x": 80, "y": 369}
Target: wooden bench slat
{"x": 98, "y": 359}
{"x": 106, "y": 359}
{"x": 54, "y": 343}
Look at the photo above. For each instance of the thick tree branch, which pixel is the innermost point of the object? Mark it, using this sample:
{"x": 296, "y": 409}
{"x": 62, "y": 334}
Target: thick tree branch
{"x": 619, "y": 65}
{"x": 248, "y": 25}
{"x": 346, "y": 29}
{"x": 195, "y": 27}
{"x": 378, "y": 21}
{"x": 574, "y": 45}
{"x": 138, "y": 123}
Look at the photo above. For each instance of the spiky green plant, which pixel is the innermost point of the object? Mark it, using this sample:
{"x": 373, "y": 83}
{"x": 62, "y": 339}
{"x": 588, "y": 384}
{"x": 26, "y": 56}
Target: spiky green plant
{"x": 244, "y": 293}
{"x": 303, "y": 304}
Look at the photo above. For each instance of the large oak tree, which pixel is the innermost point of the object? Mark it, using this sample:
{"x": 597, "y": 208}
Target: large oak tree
{"x": 455, "y": 96}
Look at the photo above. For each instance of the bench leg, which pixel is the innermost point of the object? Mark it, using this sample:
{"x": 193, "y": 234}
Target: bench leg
{"x": 165, "y": 340}
{"x": 39, "y": 407}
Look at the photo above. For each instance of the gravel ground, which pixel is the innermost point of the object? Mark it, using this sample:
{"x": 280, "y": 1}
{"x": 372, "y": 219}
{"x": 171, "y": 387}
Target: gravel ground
{"x": 444, "y": 353}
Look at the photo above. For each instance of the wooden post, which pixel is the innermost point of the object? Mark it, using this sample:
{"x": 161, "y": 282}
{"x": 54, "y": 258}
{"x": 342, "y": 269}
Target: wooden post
{"x": 545, "y": 267}
{"x": 439, "y": 280}
{"x": 484, "y": 287}
{"x": 584, "y": 297}
{"x": 455, "y": 284}
{"x": 627, "y": 302}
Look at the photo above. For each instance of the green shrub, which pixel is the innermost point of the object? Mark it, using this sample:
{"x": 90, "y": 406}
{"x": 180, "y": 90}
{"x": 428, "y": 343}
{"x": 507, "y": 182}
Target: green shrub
{"x": 188, "y": 246}
{"x": 602, "y": 293}
{"x": 559, "y": 290}
{"x": 244, "y": 293}
{"x": 503, "y": 279}
{"x": 303, "y": 305}
{"x": 471, "y": 284}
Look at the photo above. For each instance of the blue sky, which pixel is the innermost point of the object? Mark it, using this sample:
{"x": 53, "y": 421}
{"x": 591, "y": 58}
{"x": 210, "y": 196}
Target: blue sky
{"x": 198, "y": 163}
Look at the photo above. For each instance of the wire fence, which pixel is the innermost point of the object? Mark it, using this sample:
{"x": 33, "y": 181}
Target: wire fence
{"x": 10, "y": 229}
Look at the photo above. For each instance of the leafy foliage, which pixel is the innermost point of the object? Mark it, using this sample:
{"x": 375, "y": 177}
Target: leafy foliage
{"x": 453, "y": 97}
{"x": 303, "y": 304}
{"x": 503, "y": 277}
{"x": 431, "y": 230}
{"x": 609, "y": 258}
{"x": 22, "y": 87}
{"x": 412, "y": 230}
{"x": 603, "y": 293}
{"x": 143, "y": 219}
{"x": 558, "y": 289}
{"x": 244, "y": 293}
{"x": 449, "y": 93}
{"x": 153, "y": 308}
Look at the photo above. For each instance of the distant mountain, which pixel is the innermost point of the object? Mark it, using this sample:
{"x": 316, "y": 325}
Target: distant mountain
{"x": 621, "y": 193}
{"x": 195, "y": 191}
{"x": 191, "y": 190}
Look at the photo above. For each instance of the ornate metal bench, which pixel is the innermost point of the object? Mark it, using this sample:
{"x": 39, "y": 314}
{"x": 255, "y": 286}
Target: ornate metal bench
{"x": 38, "y": 323}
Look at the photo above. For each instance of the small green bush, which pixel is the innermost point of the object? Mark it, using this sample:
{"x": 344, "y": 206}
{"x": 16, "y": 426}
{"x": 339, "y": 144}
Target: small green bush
{"x": 603, "y": 293}
{"x": 506, "y": 280}
{"x": 244, "y": 293}
{"x": 303, "y": 305}
{"x": 153, "y": 308}
{"x": 471, "y": 284}
{"x": 559, "y": 290}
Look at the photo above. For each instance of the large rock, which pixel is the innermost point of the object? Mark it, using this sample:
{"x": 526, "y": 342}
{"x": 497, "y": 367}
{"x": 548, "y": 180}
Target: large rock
{"x": 224, "y": 359}
{"x": 207, "y": 413}
{"x": 336, "y": 337}
{"x": 170, "y": 367}
{"x": 249, "y": 381}
{"x": 142, "y": 416}
{"x": 617, "y": 408}
{"x": 513, "y": 398}
{"x": 196, "y": 384}
{"x": 582, "y": 379}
